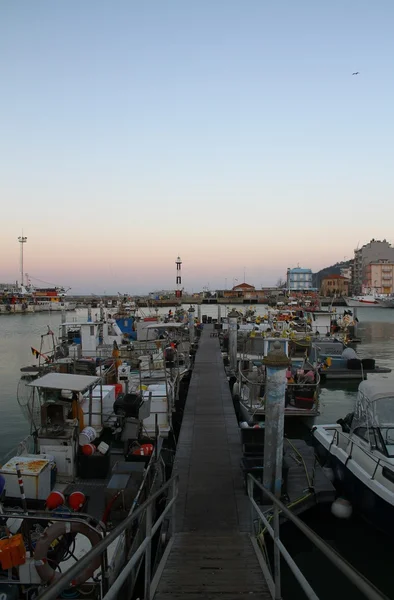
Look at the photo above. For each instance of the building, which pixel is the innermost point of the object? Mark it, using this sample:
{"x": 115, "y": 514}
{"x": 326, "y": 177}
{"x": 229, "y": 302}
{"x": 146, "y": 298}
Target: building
{"x": 299, "y": 279}
{"x": 373, "y": 252}
{"x": 379, "y": 277}
{"x": 243, "y": 290}
{"x": 346, "y": 272}
{"x": 334, "y": 285}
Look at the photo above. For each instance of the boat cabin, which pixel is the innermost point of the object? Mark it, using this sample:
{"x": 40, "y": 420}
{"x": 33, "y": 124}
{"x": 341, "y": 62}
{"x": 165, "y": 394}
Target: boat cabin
{"x": 373, "y": 417}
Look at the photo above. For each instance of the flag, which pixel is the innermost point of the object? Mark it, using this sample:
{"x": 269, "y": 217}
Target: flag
{"x": 35, "y": 352}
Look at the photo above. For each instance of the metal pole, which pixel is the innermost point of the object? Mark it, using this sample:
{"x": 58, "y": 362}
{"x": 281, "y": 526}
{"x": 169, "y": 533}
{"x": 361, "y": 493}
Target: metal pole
{"x": 276, "y": 363}
{"x": 191, "y": 324}
{"x": 219, "y": 313}
{"x": 64, "y": 328}
{"x": 148, "y": 552}
{"x": 232, "y": 338}
{"x": 26, "y": 525}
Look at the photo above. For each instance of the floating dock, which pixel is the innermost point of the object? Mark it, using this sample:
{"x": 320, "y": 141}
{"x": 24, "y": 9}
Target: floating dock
{"x": 212, "y": 554}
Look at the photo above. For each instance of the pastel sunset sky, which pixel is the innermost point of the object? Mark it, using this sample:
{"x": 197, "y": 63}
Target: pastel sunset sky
{"x": 229, "y": 132}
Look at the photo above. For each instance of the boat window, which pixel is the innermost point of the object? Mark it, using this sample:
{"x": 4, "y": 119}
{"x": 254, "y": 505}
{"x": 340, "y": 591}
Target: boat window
{"x": 388, "y": 439}
{"x": 370, "y": 435}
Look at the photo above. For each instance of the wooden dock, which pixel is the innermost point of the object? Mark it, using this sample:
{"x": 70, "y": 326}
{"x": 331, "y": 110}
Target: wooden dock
{"x": 212, "y": 555}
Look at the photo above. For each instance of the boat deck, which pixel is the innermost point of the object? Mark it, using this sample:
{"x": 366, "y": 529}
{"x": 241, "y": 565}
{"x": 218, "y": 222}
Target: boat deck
{"x": 212, "y": 554}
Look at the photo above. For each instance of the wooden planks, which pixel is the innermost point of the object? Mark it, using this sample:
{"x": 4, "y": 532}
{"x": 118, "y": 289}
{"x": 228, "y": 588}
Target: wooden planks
{"x": 212, "y": 555}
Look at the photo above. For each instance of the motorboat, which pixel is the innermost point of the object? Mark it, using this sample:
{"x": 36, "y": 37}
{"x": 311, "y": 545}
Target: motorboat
{"x": 360, "y": 451}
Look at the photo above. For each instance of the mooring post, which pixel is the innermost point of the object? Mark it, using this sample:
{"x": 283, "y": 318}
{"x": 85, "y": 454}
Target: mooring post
{"x": 191, "y": 324}
{"x": 199, "y": 312}
{"x": 276, "y": 363}
{"x": 232, "y": 338}
{"x": 219, "y": 313}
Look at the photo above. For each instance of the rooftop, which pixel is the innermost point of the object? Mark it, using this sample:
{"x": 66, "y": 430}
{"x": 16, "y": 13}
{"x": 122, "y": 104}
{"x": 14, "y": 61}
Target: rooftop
{"x": 65, "y": 381}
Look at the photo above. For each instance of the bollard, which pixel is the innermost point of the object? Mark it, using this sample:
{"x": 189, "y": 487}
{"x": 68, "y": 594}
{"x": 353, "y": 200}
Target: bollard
{"x": 219, "y": 313}
{"x": 232, "y": 338}
{"x": 276, "y": 363}
{"x": 191, "y": 324}
{"x": 199, "y": 313}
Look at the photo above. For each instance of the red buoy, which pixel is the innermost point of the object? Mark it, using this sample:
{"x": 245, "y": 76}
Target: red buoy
{"x": 76, "y": 500}
{"x": 144, "y": 450}
{"x": 54, "y": 500}
{"x": 88, "y": 449}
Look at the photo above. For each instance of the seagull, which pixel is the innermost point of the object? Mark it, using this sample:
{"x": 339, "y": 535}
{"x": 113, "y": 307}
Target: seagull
{"x": 357, "y": 73}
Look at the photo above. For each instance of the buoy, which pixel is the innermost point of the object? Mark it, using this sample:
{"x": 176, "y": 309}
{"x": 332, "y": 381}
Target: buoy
{"x": 54, "y": 500}
{"x": 88, "y": 449}
{"x": 341, "y": 508}
{"x": 76, "y": 500}
{"x": 144, "y": 450}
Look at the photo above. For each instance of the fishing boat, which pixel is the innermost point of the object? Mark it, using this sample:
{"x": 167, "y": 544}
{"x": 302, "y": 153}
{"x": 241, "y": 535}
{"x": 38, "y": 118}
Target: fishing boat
{"x": 336, "y": 361}
{"x": 360, "y": 451}
{"x": 100, "y": 444}
{"x": 371, "y": 300}
{"x": 248, "y": 386}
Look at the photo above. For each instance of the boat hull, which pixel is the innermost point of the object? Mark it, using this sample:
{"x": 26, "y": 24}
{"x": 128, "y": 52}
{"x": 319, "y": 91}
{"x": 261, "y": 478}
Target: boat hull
{"x": 378, "y": 512}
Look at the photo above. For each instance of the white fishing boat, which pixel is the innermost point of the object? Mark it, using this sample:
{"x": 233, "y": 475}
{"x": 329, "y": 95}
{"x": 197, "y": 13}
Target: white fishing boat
{"x": 370, "y": 301}
{"x": 360, "y": 451}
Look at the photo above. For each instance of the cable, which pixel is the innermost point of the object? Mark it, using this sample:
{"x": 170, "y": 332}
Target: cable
{"x": 303, "y": 462}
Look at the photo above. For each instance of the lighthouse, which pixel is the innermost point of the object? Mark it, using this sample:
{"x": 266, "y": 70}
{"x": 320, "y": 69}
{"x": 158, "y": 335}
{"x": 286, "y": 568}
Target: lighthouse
{"x": 178, "y": 291}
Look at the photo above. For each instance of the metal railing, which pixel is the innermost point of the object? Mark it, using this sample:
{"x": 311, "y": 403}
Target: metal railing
{"x": 255, "y": 399}
{"x": 274, "y": 583}
{"x": 143, "y": 550}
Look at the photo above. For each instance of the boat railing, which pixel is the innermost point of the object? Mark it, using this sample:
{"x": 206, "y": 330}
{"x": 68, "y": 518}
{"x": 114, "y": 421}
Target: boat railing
{"x": 144, "y": 549}
{"x": 255, "y": 386}
{"x": 25, "y": 447}
{"x": 377, "y": 461}
{"x": 280, "y": 551}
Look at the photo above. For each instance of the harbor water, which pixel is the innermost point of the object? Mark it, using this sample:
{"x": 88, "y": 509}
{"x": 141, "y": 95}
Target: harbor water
{"x": 366, "y": 549}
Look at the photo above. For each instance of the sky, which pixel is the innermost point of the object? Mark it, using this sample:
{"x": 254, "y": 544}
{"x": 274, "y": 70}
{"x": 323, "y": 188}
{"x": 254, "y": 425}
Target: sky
{"x": 229, "y": 132}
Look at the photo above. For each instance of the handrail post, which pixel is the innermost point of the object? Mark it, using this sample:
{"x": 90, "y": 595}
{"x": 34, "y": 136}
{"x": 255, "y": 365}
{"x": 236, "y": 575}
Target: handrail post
{"x": 148, "y": 552}
{"x": 278, "y": 593}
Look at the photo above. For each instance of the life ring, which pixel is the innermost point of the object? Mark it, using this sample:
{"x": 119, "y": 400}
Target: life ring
{"x": 45, "y": 571}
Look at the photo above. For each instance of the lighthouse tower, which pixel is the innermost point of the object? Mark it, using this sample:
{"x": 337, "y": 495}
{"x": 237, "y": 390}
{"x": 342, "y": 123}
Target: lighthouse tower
{"x": 178, "y": 291}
